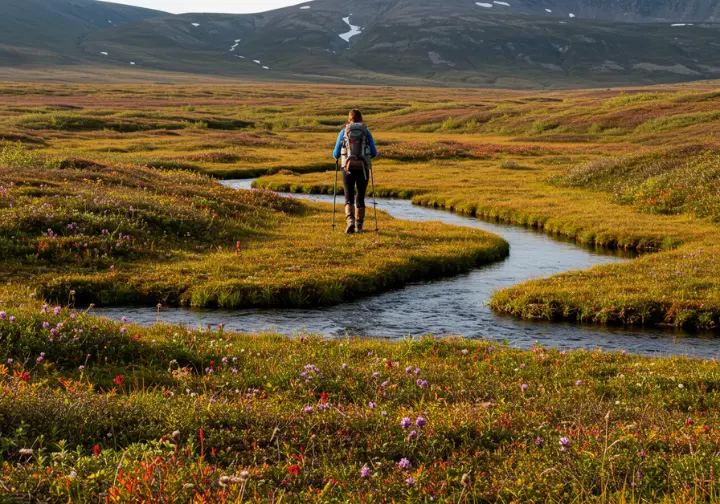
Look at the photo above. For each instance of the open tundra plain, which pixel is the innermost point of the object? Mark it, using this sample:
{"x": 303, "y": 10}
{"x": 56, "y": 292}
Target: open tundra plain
{"x": 109, "y": 197}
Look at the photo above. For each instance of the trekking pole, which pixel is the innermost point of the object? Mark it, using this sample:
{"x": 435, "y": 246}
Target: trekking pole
{"x": 337, "y": 164}
{"x": 372, "y": 178}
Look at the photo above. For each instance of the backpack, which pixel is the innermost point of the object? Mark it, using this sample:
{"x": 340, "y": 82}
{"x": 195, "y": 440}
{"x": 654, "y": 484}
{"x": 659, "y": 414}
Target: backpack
{"x": 355, "y": 147}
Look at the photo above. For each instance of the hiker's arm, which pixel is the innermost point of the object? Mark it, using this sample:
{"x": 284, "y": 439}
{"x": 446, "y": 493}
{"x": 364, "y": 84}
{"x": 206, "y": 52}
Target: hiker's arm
{"x": 371, "y": 142}
{"x": 338, "y": 145}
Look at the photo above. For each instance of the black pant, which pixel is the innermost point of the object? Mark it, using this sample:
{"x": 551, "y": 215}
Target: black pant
{"x": 359, "y": 178}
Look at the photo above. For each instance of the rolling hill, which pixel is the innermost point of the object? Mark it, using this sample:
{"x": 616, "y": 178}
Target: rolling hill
{"x": 513, "y": 43}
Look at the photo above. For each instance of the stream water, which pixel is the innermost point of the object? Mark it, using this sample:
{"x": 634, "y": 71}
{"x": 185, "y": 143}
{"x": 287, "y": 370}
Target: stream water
{"x": 454, "y": 306}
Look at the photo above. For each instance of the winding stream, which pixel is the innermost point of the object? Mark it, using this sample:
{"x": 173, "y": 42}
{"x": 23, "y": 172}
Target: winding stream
{"x": 455, "y": 306}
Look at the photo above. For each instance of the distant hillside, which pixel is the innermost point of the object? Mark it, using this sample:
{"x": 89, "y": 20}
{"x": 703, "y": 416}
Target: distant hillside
{"x": 513, "y": 43}
{"x": 52, "y": 29}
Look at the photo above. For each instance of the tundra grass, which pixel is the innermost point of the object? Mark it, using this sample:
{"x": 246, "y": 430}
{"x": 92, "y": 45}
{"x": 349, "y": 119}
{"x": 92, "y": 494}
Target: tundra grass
{"x": 93, "y": 409}
{"x": 555, "y": 161}
{"x": 119, "y": 234}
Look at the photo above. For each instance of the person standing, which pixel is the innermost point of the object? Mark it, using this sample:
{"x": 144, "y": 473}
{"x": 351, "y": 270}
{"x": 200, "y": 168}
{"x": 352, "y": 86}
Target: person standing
{"x": 355, "y": 148}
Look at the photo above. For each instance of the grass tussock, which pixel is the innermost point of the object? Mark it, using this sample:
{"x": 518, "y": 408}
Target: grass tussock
{"x": 121, "y": 234}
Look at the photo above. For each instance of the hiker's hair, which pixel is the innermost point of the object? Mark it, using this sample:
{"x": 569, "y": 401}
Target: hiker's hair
{"x": 355, "y": 116}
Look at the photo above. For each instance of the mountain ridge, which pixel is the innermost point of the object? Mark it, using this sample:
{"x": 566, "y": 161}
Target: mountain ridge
{"x": 514, "y": 43}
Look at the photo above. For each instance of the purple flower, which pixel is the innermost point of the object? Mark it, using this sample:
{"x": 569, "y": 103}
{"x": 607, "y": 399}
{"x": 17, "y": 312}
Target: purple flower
{"x": 642, "y": 454}
{"x": 123, "y": 330}
{"x": 57, "y": 310}
{"x": 44, "y": 309}
{"x": 81, "y": 368}
{"x": 410, "y": 481}
{"x": 405, "y": 423}
{"x": 12, "y": 318}
{"x": 372, "y": 405}
{"x": 539, "y": 441}
{"x": 420, "y": 422}
{"x": 308, "y": 409}
{"x": 413, "y": 435}
{"x": 46, "y": 324}
{"x": 522, "y": 366}
{"x": 417, "y": 371}
{"x": 624, "y": 352}
{"x": 564, "y": 443}
{"x": 344, "y": 366}
{"x": 123, "y": 320}
{"x": 365, "y": 472}
{"x": 376, "y": 374}
{"x": 421, "y": 383}
{"x": 39, "y": 359}
{"x": 3, "y": 315}
{"x": 384, "y": 384}
{"x": 524, "y": 387}
{"x": 579, "y": 382}
{"x": 404, "y": 464}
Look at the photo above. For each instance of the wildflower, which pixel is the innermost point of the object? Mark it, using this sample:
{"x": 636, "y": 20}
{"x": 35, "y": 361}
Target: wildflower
{"x": 539, "y": 441}
{"x": 57, "y": 310}
{"x": 405, "y": 423}
{"x": 244, "y": 476}
{"x": 408, "y": 369}
{"x": 175, "y": 434}
{"x": 25, "y": 451}
{"x": 376, "y": 374}
{"x": 642, "y": 454}
{"x": 410, "y": 481}
{"x": 9, "y": 361}
{"x": 12, "y": 318}
{"x": 421, "y": 383}
{"x": 413, "y": 435}
{"x": 464, "y": 351}
{"x": 404, "y": 464}
{"x": 119, "y": 380}
{"x": 294, "y": 470}
{"x": 522, "y": 366}
{"x": 188, "y": 486}
{"x": 344, "y": 366}
{"x": 681, "y": 386}
{"x": 39, "y": 359}
{"x": 44, "y": 308}
{"x": 224, "y": 480}
{"x": 579, "y": 382}
{"x": 308, "y": 409}
{"x": 96, "y": 451}
{"x": 384, "y": 384}
{"x": 466, "y": 480}
{"x": 46, "y": 324}
{"x": 624, "y": 352}
{"x": 524, "y": 387}
{"x": 420, "y": 422}
{"x": 564, "y": 443}
{"x": 365, "y": 472}
{"x": 3, "y": 315}
{"x": 372, "y": 405}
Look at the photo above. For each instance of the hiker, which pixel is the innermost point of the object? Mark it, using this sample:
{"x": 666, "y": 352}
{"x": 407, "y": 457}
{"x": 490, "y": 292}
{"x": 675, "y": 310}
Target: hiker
{"x": 355, "y": 148}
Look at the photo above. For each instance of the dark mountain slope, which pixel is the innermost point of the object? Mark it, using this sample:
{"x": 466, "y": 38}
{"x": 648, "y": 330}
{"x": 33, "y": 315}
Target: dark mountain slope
{"x": 515, "y": 43}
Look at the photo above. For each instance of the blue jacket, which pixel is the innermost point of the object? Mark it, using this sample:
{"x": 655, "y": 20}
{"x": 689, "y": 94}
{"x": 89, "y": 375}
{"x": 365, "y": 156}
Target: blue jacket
{"x": 338, "y": 146}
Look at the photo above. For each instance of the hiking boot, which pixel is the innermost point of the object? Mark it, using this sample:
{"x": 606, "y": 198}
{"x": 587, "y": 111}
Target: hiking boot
{"x": 360, "y": 219}
{"x": 350, "y": 218}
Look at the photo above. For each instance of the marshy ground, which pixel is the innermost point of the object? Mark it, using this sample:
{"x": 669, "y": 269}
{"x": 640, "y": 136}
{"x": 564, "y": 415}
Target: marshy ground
{"x": 106, "y": 197}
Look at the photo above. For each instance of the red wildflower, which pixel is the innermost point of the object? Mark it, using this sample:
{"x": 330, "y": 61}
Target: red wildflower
{"x": 119, "y": 380}
{"x": 96, "y": 450}
{"x": 324, "y": 397}
{"x": 294, "y": 470}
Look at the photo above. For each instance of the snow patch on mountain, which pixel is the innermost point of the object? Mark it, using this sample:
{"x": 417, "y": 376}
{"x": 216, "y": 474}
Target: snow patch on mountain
{"x": 354, "y": 30}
